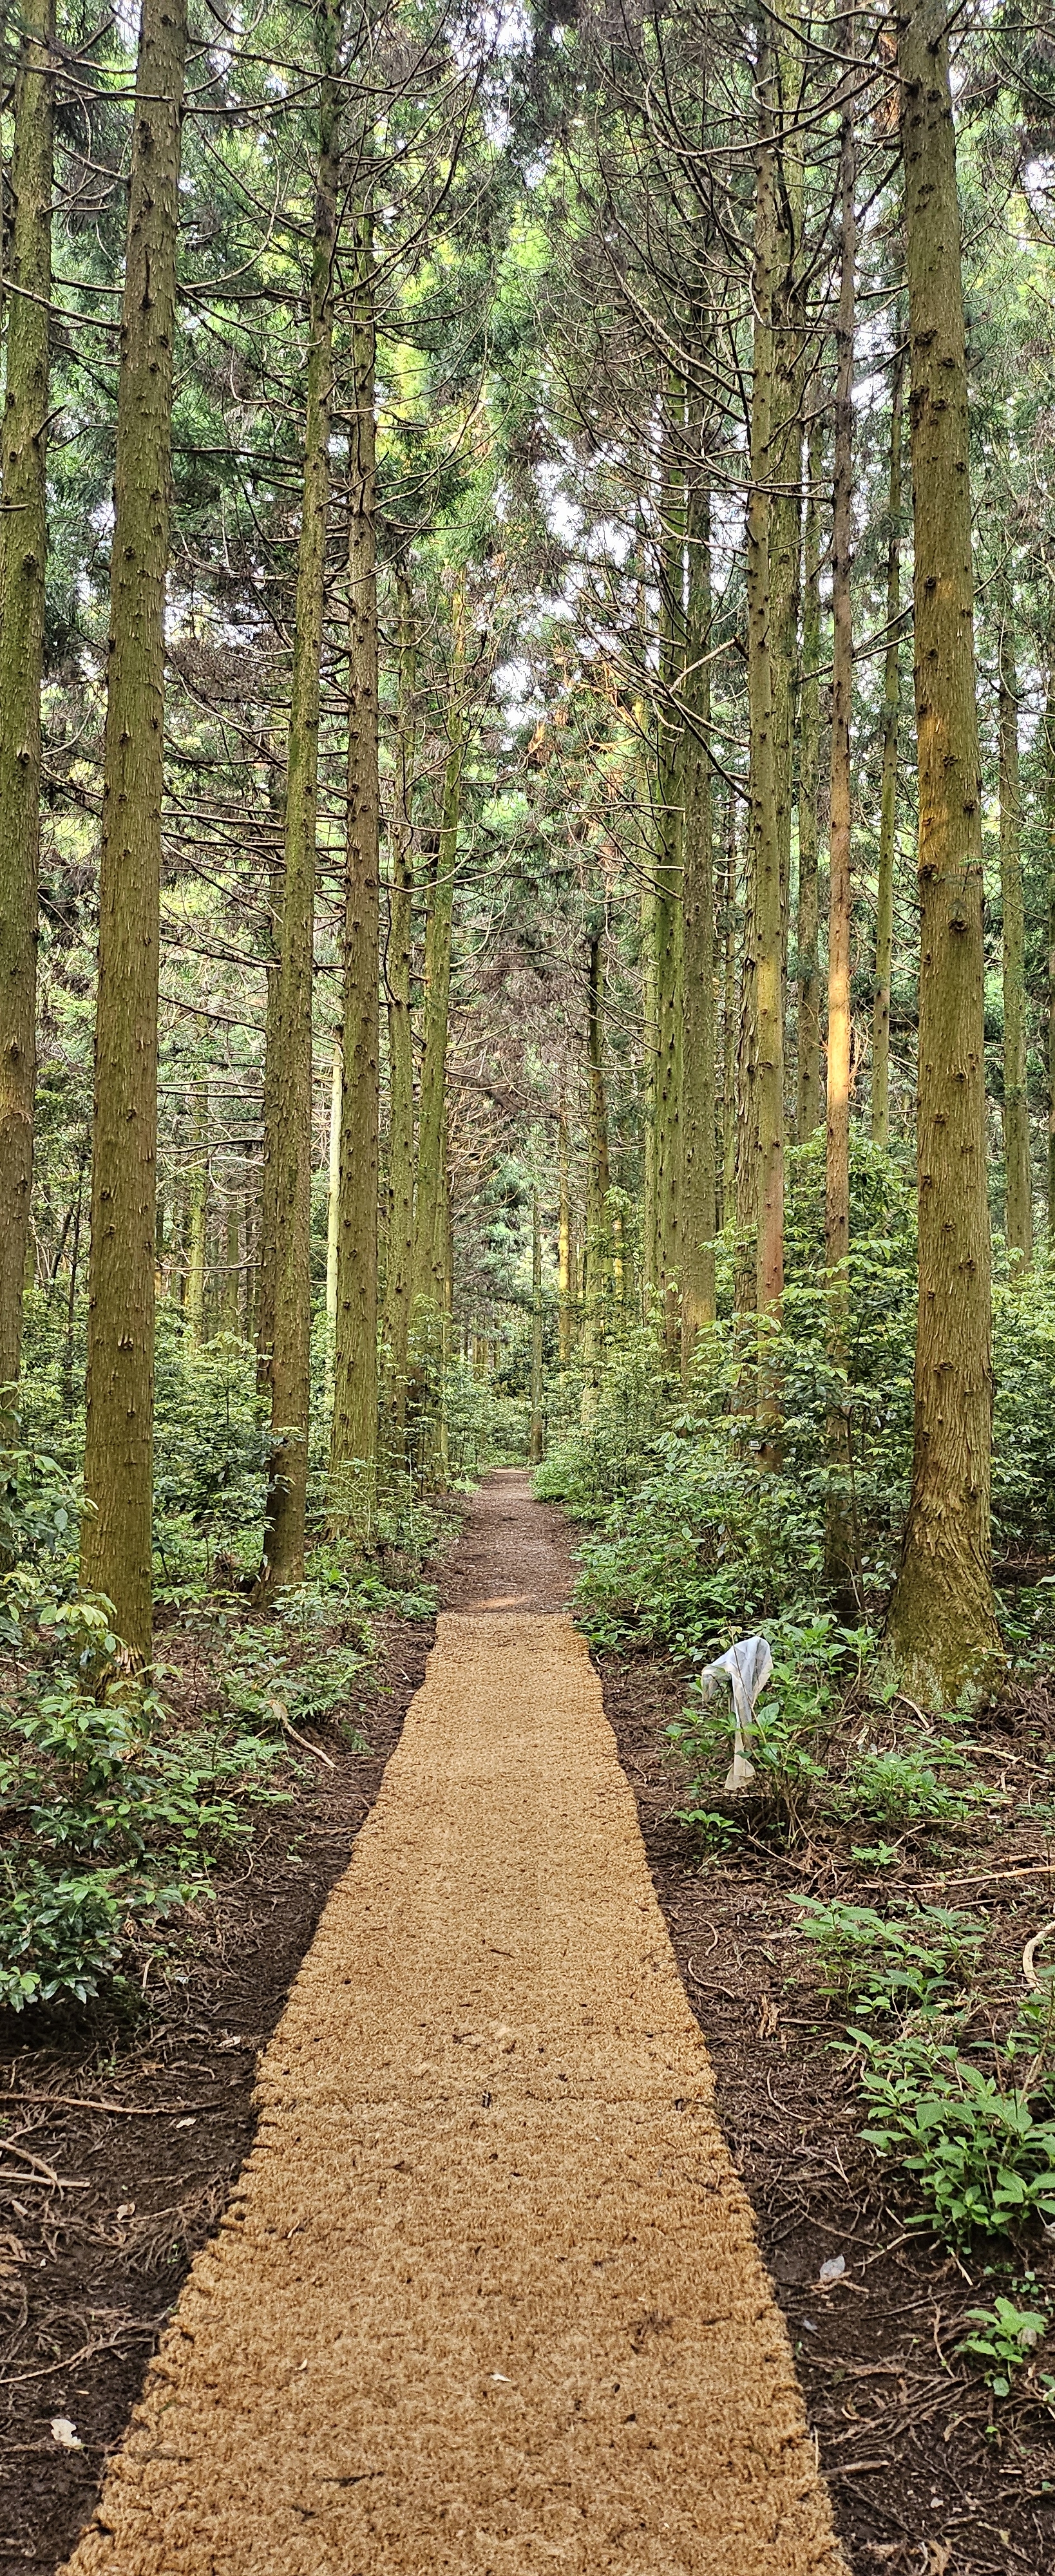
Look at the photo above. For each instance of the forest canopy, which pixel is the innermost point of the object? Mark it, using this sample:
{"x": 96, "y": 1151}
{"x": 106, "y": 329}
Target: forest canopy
{"x": 527, "y": 795}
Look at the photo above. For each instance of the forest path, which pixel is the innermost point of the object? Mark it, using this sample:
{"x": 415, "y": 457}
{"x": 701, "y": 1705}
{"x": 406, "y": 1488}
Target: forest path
{"x": 487, "y": 2297}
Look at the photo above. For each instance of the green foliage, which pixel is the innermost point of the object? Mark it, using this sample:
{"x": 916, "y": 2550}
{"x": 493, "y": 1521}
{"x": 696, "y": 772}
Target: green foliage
{"x": 901, "y": 1788}
{"x": 792, "y": 1721}
{"x": 892, "y": 1963}
{"x": 58, "y": 1936}
{"x": 980, "y": 2155}
{"x": 1004, "y": 2339}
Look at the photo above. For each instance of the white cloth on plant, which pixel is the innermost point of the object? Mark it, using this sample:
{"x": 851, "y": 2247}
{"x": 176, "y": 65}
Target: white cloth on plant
{"x": 747, "y": 1666}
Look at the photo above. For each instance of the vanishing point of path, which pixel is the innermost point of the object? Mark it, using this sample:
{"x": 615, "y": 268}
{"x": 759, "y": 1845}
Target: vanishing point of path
{"x": 487, "y": 2297}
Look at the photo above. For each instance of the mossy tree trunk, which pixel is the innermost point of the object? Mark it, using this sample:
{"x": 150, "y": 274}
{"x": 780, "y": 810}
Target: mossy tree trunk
{"x": 597, "y": 1181}
{"x": 429, "y": 1190}
{"x": 888, "y": 788}
{"x": 837, "y": 1545}
{"x": 808, "y": 1062}
{"x": 1018, "y": 1213}
{"x": 23, "y": 547}
{"x": 667, "y": 902}
{"x": 291, "y": 1344}
{"x": 760, "y": 1139}
{"x": 354, "y": 1432}
{"x": 698, "y": 1210}
{"x": 116, "y": 1553}
{"x": 535, "y": 1432}
{"x": 942, "y": 1624}
{"x": 565, "y": 1265}
{"x": 399, "y": 1246}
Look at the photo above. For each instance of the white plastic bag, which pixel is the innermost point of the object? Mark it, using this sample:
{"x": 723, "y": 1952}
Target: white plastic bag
{"x": 748, "y": 1666}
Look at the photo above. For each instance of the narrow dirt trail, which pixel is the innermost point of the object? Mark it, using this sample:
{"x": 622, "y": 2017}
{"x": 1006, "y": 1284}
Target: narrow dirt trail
{"x": 488, "y": 2297}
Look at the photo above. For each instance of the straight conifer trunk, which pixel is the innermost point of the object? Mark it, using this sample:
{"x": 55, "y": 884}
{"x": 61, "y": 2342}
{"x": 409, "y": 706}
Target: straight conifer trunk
{"x": 535, "y": 1437}
{"x": 118, "y": 1455}
{"x": 564, "y": 1245}
{"x": 840, "y": 906}
{"x": 23, "y": 547}
{"x": 667, "y": 913}
{"x": 354, "y": 1431}
{"x": 429, "y": 1196}
{"x": 942, "y": 1623}
{"x": 1018, "y": 1215}
{"x": 400, "y": 1236}
{"x": 888, "y": 789}
{"x": 698, "y": 1190}
{"x": 291, "y": 1343}
{"x": 596, "y": 1245}
{"x": 808, "y": 1068}
{"x": 760, "y": 1141}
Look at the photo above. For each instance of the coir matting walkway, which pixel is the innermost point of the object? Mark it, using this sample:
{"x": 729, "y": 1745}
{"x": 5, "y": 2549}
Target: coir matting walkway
{"x": 487, "y": 2297}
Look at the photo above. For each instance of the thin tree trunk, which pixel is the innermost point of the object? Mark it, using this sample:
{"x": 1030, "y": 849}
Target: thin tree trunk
{"x": 942, "y": 1622}
{"x": 232, "y": 1267}
{"x": 23, "y": 546}
{"x": 667, "y": 915}
{"x": 808, "y": 1102}
{"x": 400, "y": 1239}
{"x": 535, "y": 1440}
{"x": 888, "y": 790}
{"x": 760, "y": 1155}
{"x": 272, "y": 1106}
{"x": 118, "y": 1457}
{"x": 1018, "y": 1216}
{"x": 354, "y": 1434}
{"x": 596, "y": 1247}
{"x": 698, "y": 1188}
{"x": 1049, "y": 816}
{"x": 730, "y": 1023}
{"x": 291, "y": 1347}
{"x": 432, "y": 1105}
{"x": 564, "y": 1248}
{"x": 197, "y": 1201}
{"x": 838, "y": 1551}
{"x": 333, "y": 1184}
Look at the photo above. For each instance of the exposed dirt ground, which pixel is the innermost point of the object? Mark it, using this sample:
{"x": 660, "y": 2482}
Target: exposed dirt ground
{"x": 925, "y": 2474}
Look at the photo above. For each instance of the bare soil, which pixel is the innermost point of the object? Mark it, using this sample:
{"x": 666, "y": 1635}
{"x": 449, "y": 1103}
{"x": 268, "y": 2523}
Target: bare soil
{"x": 926, "y": 2473}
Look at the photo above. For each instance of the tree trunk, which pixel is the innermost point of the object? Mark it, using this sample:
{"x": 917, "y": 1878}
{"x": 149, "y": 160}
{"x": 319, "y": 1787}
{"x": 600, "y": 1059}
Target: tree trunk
{"x": 272, "y": 1106}
{"x": 1049, "y": 814}
{"x": 354, "y": 1434}
{"x": 760, "y": 1144}
{"x": 942, "y": 1623}
{"x": 535, "y": 1439}
{"x": 23, "y": 546}
{"x": 564, "y": 1252}
{"x": 118, "y": 1454}
{"x": 838, "y": 1550}
{"x": 197, "y": 1203}
{"x": 808, "y": 1100}
{"x": 596, "y": 1247}
{"x": 400, "y": 1239}
{"x": 667, "y": 915}
{"x": 432, "y": 1105}
{"x": 1018, "y": 1216}
{"x": 291, "y": 1346}
{"x": 698, "y": 1192}
{"x": 730, "y": 1022}
{"x": 888, "y": 791}
{"x": 333, "y": 1182}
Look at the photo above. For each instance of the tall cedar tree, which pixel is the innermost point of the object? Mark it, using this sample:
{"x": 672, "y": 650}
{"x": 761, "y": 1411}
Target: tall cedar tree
{"x": 116, "y": 1555}
{"x": 23, "y": 546}
{"x": 942, "y": 1624}
{"x": 288, "y": 1145}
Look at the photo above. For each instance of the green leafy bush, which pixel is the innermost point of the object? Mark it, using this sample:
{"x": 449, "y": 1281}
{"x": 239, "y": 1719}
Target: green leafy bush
{"x": 980, "y": 2148}
{"x": 1005, "y": 2338}
{"x": 58, "y": 1936}
{"x": 892, "y": 1963}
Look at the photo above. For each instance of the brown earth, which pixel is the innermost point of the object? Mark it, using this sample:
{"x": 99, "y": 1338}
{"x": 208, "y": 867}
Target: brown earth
{"x": 488, "y": 2293}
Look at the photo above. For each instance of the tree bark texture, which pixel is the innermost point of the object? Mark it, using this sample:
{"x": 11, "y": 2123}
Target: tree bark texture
{"x": 888, "y": 788}
{"x": 1018, "y": 1210}
{"x": 942, "y": 1623}
{"x": 116, "y": 1551}
{"x": 760, "y": 1144}
{"x": 291, "y": 1344}
{"x": 429, "y": 1195}
{"x": 840, "y": 903}
{"x": 354, "y": 1431}
{"x": 23, "y": 548}
{"x": 399, "y": 1249}
{"x": 808, "y": 1067}
{"x": 698, "y": 1193}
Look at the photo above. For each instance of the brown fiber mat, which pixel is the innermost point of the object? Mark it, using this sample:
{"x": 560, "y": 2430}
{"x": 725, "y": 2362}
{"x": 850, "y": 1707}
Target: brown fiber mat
{"x": 488, "y": 2297}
